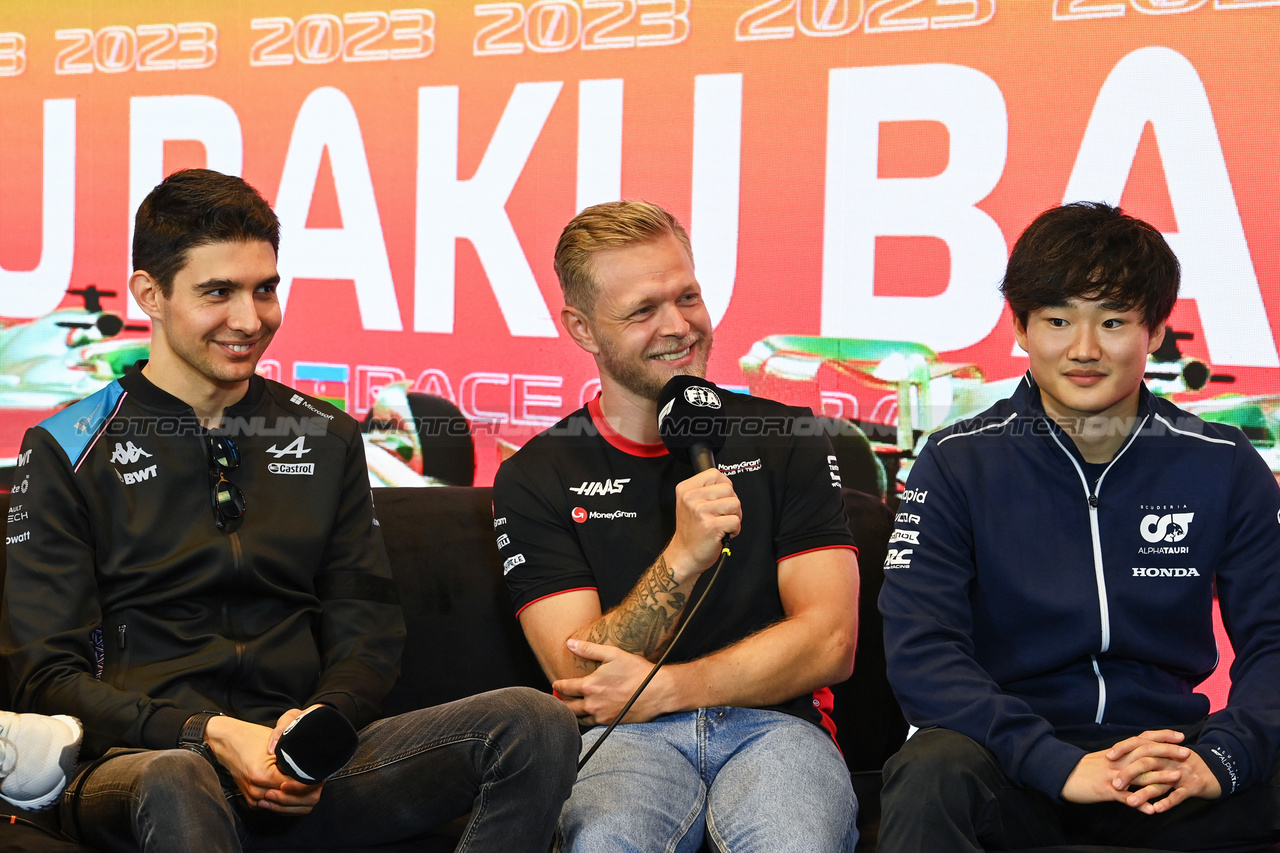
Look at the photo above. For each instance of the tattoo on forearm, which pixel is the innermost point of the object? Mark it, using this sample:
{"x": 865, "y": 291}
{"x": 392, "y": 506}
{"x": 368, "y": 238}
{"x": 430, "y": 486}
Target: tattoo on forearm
{"x": 643, "y": 623}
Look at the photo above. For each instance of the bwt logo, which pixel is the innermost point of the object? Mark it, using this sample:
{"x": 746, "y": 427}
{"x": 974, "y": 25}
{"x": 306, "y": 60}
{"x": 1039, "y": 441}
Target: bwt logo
{"x": 607, "y": 487}
{"x": 128, "y": 454}
{"x": 131, "y": 477}
{"x": 704, "y": 397}
{"x": 1166, "y": 528}
{"x": 913, "y": 496}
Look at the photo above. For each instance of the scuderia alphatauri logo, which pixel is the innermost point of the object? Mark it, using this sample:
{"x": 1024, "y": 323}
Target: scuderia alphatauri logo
{"x": 1162, "y": 531}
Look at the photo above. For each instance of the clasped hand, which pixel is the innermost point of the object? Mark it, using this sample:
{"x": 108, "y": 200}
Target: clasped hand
{"x": 248, "y": 751}
{"x": 1151, "y": 772}
{"x": 599, "y": 697}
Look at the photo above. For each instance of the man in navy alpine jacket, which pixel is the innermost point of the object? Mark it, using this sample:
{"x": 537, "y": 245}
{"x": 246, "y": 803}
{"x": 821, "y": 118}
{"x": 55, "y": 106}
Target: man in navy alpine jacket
{"x": 1048, "y": 591}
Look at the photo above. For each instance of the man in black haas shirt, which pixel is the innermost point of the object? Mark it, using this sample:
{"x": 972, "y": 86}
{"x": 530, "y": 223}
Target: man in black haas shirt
{"x": 194, "y": 562}
{"x": 606, "y": 539}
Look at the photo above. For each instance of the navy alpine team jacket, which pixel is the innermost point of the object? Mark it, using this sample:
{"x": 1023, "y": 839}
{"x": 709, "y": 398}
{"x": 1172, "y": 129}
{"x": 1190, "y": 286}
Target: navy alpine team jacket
{"x": 1034, "y": 602}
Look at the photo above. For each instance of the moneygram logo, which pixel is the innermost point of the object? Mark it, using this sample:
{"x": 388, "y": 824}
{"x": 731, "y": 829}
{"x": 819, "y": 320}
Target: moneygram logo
{"x": 579, "y": 514}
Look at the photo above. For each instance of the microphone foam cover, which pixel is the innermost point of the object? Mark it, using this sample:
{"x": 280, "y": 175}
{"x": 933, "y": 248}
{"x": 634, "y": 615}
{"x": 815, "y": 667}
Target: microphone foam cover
{"x": 691, "y": 411}
{"x": 317, "y": 744}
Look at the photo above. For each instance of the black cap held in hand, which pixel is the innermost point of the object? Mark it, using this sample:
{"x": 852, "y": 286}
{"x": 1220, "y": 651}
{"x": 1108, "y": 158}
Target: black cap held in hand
{"x": 691, "y": 420}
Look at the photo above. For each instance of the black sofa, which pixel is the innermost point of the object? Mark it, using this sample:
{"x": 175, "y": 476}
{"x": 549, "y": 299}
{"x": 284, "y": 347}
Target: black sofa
{"x": 463, "y": 640}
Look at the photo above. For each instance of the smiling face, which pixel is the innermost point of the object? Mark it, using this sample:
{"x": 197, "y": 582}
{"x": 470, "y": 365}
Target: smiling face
{"x": 648, "y": 322}
{"x": 221, "y": 313}
{"x": 1088, "y": 358}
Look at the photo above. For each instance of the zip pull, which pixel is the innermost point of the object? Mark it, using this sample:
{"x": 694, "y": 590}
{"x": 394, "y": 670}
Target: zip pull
{"x": 1093, "y": 502}
{"x": 120, "y": 636}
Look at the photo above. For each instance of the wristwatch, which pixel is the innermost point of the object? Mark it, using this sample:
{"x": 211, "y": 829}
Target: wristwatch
{"x": 192, "y": 735}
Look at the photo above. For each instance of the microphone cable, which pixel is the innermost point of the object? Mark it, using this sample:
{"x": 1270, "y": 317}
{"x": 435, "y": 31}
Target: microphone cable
{"x": 724, "y": 552}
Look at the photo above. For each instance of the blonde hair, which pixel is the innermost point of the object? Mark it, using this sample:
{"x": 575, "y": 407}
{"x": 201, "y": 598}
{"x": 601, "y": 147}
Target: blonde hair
{"x": 612, "y": 225}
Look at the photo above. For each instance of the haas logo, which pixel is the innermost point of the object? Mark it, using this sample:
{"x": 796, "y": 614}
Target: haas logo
{"x": 1166, "y": 528}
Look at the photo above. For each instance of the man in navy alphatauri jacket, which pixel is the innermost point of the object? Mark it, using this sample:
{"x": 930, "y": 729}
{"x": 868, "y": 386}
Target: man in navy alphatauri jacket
{"x": 1049, "y": 586}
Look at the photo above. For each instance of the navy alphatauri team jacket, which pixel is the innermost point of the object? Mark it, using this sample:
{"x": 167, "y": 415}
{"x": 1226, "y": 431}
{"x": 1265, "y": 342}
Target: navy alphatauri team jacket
{"x": 1034, "y": 602}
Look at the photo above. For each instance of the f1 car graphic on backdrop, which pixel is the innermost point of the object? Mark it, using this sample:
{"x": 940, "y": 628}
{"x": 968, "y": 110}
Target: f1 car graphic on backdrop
{"x": 898, "y": 392}
{"x": 65, "y": 355}
{"x": 52, "y": 361}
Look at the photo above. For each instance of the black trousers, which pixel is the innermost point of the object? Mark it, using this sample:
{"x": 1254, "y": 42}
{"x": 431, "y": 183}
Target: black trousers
{"x": 944, "y": 792}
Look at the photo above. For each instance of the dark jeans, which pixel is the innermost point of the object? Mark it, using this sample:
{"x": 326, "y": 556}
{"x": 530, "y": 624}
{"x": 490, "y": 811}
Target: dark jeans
{"x": 943, "y": 792}
{"x": 508, "y": 757}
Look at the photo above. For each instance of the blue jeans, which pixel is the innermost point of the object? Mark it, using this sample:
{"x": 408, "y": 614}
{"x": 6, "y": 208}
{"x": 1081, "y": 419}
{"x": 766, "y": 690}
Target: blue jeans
{"x": 508, "y": 757}
{"x": 743, "y": 778}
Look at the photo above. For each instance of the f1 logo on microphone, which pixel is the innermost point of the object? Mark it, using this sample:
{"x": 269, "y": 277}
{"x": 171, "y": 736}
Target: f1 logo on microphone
{"x": 579, "y": 514}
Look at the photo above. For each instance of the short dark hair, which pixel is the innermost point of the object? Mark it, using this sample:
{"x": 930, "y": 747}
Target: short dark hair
{"x": 1091, "y": 250}
{"x": 196, "y": 207}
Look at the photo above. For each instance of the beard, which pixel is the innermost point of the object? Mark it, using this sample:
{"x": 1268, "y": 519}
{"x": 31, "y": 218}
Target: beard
{"x": 646, "y": 377}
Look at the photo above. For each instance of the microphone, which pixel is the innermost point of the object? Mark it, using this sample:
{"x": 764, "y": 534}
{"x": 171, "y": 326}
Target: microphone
{"x": 691, "y": 420}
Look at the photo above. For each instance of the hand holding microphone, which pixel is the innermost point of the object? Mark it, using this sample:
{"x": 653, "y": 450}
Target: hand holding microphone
{"x": 693, "y": 427}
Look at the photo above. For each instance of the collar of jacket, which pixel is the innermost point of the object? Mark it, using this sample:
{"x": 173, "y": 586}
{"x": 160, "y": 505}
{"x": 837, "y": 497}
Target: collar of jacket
{"x": 142, "y": 390}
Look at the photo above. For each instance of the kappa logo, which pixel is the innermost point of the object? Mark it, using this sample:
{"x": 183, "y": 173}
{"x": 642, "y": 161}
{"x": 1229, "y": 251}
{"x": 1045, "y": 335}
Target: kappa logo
{"x": 1166, "y": 528}
{"x": 127, "y": 454}
{"x": 910, "y": 536}
{"x": 834, "y": 467}
{"x": 898, "y": 558}
{"x": 295, "y": 449}
{"x": 602, "y": 487}
{"x": 579, "y": 514}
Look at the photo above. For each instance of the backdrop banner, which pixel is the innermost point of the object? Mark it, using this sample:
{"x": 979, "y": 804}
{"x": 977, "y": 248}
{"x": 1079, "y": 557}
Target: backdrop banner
{"x": 852, "y": 174}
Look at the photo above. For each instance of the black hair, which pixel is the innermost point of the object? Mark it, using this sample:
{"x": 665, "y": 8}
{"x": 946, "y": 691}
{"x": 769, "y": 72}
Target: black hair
{"x": 196, "y": 207}
{"x": 1091, "y": 250}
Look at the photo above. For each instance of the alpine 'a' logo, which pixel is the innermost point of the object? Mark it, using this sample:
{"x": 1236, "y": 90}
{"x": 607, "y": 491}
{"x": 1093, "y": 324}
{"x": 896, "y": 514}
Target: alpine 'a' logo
{"x": 604, "y": 487}
{"x": 1166, "y": 528}
{"x": 127, "y": 454}
{"x": 295, "y": 449}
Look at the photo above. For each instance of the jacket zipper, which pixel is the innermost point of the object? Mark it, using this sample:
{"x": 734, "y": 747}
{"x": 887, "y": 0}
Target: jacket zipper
{"x": 237, "y": 553}
{"x": 1104, "y": 610}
